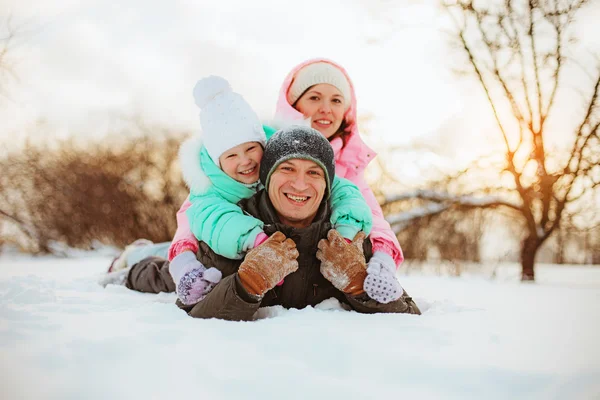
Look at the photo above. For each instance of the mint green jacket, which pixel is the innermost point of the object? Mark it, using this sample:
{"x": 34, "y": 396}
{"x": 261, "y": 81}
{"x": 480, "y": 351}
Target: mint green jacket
{"x": 216, "y": 219}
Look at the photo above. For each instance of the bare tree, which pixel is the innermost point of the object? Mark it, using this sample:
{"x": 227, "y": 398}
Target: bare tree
{"x": 519, "y": 52}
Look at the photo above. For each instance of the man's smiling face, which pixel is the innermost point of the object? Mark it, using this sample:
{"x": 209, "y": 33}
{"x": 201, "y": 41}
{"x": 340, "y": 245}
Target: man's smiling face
{"x": 296, "y": 188}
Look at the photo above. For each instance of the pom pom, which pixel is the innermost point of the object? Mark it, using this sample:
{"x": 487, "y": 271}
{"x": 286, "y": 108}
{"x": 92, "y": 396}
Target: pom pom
{"x": 208, "y": 88}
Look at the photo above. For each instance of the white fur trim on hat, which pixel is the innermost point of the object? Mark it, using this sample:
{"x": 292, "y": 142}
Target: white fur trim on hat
{"x": 316, "y": 73}
{"x": 227, "y": 120}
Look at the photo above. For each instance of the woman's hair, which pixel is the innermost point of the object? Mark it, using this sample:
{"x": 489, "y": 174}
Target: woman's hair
{"x": 342, "y": 131}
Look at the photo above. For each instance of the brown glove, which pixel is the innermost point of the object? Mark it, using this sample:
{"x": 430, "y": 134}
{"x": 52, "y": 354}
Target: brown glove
{"x": 267, "y": 264}
{"x": 342, "y": 263}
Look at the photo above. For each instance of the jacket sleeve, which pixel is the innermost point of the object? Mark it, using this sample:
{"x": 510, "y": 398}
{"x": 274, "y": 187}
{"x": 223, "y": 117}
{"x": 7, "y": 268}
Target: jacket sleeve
{"x": 350, "y": 213}
{"x": 184, "y": 238}
{"x": 382, "y": 236}
{"x": 364, "y": 304}
{"x": 226, "y": 229}
{"x": 228, "y": 300}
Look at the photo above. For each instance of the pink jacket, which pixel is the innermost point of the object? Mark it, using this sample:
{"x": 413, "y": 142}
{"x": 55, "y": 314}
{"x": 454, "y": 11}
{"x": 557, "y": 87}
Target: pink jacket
{"x": 184, "y": 238}
{"x": 350, "y": 163}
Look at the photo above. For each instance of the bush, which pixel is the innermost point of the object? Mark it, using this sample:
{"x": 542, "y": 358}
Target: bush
{"x": 113, "y": 192}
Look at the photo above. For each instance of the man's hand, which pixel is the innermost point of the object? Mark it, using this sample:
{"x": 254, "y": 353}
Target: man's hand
{"x": 343, "y": 264}
{"x": 268, "y": 263}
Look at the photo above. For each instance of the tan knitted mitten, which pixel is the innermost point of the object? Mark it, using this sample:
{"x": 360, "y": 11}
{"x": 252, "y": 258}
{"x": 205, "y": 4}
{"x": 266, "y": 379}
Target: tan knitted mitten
{"x": 268, "y": 263}
{"x": 343, "y": 263}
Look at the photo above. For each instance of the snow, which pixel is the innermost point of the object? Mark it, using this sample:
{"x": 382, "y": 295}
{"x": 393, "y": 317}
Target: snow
{"x": 65, "y": 337}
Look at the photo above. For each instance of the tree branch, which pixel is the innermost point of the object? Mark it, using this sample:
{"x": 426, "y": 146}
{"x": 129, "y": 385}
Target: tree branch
{"x": 559, "y": 57}
{"x": 577, "y": 150}
{"x": 444, "y": 197}
{"x": 519, "y": 44}
{"x": 461, "y": 33}
{"x": 536, "y": 67}
{"x": 23, "y": 226}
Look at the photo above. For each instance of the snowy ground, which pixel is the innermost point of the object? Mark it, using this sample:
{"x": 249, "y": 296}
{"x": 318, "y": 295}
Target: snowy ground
{"x": 64, "y": 337}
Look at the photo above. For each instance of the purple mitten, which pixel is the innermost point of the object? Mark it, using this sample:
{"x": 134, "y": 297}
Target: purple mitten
{"x": 196, "y": 284}
{"x": 381, "y": 283}
{"x": 192, "y": 280}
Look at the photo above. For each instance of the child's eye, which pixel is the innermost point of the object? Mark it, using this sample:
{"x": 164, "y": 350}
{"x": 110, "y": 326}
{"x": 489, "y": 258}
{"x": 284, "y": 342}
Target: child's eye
{"x": 231, "y": 156}
{"x": 251, "y": 148}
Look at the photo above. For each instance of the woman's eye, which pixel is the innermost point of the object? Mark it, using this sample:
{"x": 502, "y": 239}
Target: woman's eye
{"x": 314, "y": 98}
{"x": 339, "y": 101}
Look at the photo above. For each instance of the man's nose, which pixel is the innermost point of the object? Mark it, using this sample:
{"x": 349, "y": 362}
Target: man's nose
{"x": 299, "y": 183}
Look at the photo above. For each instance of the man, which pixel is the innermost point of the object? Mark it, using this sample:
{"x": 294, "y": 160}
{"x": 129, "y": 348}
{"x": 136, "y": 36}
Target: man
{"x": 303, "y": 262}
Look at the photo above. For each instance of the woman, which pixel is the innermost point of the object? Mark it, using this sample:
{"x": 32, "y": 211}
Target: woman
{"x": 319, "y": 90}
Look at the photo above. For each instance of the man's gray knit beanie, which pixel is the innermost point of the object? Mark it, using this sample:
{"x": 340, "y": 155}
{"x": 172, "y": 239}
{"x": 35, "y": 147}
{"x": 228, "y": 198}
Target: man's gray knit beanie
{"x": 301, "y": 142}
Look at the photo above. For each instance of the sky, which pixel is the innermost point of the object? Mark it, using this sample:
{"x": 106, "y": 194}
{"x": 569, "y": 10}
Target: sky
{"x": 84, "y": 67}
{"x": 84, "y": 59}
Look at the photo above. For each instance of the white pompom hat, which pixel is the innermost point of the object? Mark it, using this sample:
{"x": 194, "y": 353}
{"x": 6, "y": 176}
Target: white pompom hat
{"x": 316, "y": 73}
{"x": 226, "y": 119}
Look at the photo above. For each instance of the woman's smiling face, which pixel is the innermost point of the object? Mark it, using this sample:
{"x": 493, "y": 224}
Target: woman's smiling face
{"x": 324, "y": 104}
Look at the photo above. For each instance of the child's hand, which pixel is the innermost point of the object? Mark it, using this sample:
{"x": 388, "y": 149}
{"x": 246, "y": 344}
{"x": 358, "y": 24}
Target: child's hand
{"x": 192, "y": 280}
{"x": 196, "y": 284}
{"x": 381, "y": 283}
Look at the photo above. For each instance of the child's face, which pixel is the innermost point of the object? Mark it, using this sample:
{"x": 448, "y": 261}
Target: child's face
{"x": 242, "y": 162}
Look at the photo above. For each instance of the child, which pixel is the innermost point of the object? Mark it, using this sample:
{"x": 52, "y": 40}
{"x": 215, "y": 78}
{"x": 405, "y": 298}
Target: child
{"x": 222, "y": 170}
